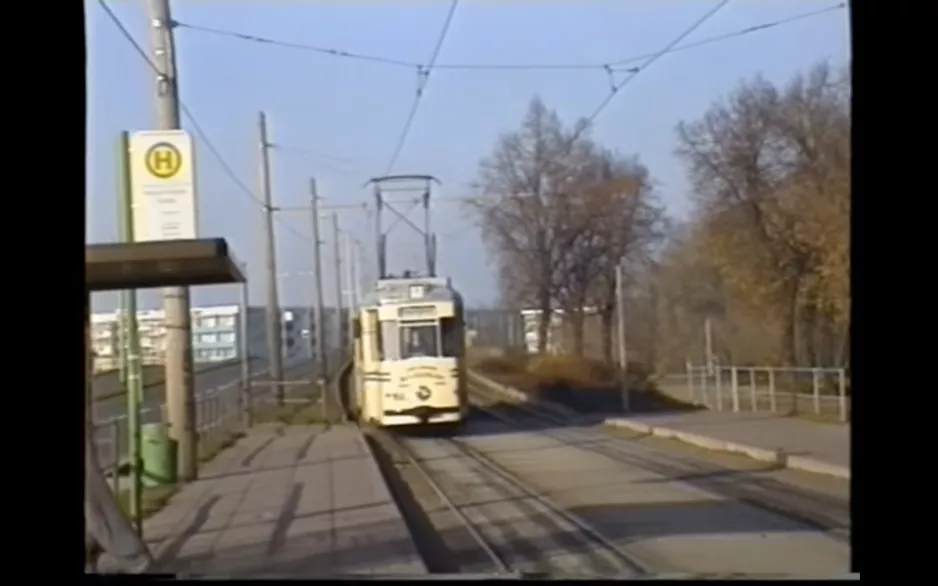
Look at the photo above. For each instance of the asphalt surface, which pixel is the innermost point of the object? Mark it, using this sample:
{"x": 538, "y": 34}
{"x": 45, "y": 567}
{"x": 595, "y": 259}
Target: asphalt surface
{"x": 206, "y": 379}
{"x": 154, "y": 395}
{"x": 670, "y": 513}
{"x": 106, "y": 384}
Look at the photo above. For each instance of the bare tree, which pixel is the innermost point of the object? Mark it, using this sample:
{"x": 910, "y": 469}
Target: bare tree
{"x": 615, "y": 219}
{"x": 770, "y": 170}
{"x": 523, "y": 205}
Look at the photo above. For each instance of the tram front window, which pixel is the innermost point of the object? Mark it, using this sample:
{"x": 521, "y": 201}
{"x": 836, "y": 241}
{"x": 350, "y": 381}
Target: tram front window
{"x": 419, "y": 340}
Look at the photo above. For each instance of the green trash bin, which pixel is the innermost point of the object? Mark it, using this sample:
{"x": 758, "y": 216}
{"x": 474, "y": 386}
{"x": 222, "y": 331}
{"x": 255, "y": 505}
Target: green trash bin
{"x": 158, "y": 452}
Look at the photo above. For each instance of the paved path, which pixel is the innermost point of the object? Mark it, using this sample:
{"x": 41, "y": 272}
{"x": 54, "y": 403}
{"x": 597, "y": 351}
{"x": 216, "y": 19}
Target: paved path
{"x": 826, "y": 442}
{"x": 671, "y": 514}
{"x": 286, "y": 503}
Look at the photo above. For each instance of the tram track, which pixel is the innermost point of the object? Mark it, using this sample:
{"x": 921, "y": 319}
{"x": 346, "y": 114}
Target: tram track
{"x": 489, "y": 520}
{"x": 812, "y": 508}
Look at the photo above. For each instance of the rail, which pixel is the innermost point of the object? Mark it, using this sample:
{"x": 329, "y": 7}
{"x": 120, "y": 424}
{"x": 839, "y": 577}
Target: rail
{"x": 823, "y": 392}
{"x": 801, "y": 505}
{"x": 502, "y": 555}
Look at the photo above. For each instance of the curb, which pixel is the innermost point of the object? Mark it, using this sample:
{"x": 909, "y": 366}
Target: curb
{"x": 777, "y": 456}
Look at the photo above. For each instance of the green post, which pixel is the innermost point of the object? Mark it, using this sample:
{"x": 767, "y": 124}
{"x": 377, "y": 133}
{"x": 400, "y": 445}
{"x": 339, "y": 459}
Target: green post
{"x": 122, "y": 343}
{"x": 132, "y": 340}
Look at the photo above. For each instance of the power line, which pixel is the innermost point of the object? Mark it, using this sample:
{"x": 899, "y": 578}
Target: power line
{"x": 616, "y": 88}
{"x": 288, "y": 148}
{"x": 188, "y": 113}
{"x": 739, "y": 33}
{"x": 322, "y": 160}
{"x": 605, "y": 66}
{"x": 423, "y": 76}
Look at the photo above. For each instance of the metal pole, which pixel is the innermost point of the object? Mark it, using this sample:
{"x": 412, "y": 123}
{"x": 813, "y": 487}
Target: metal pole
{"x": 180, "y": 393}
{"x": 359, "y": 259}
{"x": 320, "y": 331}
{"x": 244, "y": 350}
{"x": 620, "y": 321}
{"x": 133, "y": 371}
{"x": 708, "y": 345}
{"x": 337, "y": 254}
{"x": 122, "y": 329}
{"x": 274, "y": 341}
{"x": 350, "y": 284}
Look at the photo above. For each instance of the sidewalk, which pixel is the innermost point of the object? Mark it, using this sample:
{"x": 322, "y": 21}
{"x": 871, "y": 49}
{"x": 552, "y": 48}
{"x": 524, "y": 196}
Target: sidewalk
{"x": 285, "y": 503}
{"x": 804, "y": 443}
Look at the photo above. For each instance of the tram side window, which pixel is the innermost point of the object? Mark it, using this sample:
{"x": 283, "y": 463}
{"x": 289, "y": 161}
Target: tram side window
{"x": 389, "y": 349}
{"x": 419, "y": 339}
{"x": 373, "y": 336}
{"x": 452, "y": 337}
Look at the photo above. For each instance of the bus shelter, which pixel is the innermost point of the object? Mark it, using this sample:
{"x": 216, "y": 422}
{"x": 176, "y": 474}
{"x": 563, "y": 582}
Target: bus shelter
{"x": 141, "y": 265}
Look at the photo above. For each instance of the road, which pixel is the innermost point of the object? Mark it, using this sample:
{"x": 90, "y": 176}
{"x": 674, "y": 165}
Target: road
{"x": 154, "y": 394}
{"x": 105, "y": 384}
{"x": 115, "y": 409}
{"x": 205, "y": 380}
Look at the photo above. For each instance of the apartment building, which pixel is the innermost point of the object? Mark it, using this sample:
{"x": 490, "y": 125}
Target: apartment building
{"x": 216, "y": 334}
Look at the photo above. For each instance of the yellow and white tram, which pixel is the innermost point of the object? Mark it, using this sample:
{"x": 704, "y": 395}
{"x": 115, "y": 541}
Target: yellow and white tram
{"x": 409, "y": 355}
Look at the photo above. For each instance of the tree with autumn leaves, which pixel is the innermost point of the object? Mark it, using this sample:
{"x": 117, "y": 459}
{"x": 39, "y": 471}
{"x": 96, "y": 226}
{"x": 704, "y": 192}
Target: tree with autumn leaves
{"x": 764, "y": 257}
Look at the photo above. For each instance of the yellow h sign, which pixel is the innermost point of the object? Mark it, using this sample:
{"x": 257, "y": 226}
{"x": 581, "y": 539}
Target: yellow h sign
{"x": 163, "y": 160}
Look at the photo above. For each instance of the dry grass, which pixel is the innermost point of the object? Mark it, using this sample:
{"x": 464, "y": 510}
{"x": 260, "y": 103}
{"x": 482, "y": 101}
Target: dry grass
{"x": 576, "y": 381}
{"x": 537, "y": 373}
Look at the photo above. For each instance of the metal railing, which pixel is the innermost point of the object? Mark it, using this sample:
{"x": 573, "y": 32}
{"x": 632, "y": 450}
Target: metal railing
{"x": 221, "y": 410}
{"x": 813, "y": 390}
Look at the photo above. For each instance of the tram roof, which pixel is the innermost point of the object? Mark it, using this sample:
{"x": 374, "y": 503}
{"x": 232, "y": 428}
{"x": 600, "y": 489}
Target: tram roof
{"x": 400, "y": 291}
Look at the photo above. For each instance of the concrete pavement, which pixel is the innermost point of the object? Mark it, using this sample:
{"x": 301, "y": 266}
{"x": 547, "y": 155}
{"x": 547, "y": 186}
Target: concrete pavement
{"x": 789, "y": 441}
{"x": 670, "y": 515}
{"x": 285, "y": 502}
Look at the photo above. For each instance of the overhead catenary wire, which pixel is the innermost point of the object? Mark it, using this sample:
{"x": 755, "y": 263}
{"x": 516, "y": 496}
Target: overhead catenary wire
{"x": 614, "y": 64}
{"x": 342, "y": 166}
{"x": 618, "y": 87}
{"x": 423, "y": 77}
{"x": 193, "y": 121}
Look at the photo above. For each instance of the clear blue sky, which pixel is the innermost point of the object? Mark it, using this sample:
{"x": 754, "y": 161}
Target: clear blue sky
{"x": 351, "y": 112}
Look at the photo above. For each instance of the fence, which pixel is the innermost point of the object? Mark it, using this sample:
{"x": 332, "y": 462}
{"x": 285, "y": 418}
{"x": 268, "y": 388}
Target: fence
{"x": 219, "y": 411}
{"x": 819, "y": 391}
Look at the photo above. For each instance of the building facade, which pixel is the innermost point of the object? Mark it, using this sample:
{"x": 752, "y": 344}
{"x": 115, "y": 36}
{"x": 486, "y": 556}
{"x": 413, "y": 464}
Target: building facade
{"x": 216, "y": 334}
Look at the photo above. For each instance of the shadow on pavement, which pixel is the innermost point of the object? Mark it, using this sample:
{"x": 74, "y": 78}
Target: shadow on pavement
{"x": 527, "y": 538}
{"x": 757, "y": 487}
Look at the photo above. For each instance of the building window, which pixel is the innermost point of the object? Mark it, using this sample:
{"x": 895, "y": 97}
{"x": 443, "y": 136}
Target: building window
{"x": 208, "y": 338}
{"x": 209, "y": 321}
{"x": 226, "y": 337}
{"x": 226, "y": 321}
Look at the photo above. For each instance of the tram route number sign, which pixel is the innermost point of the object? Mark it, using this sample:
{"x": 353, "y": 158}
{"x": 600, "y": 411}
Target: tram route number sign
{"x": 163, "y": 186}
